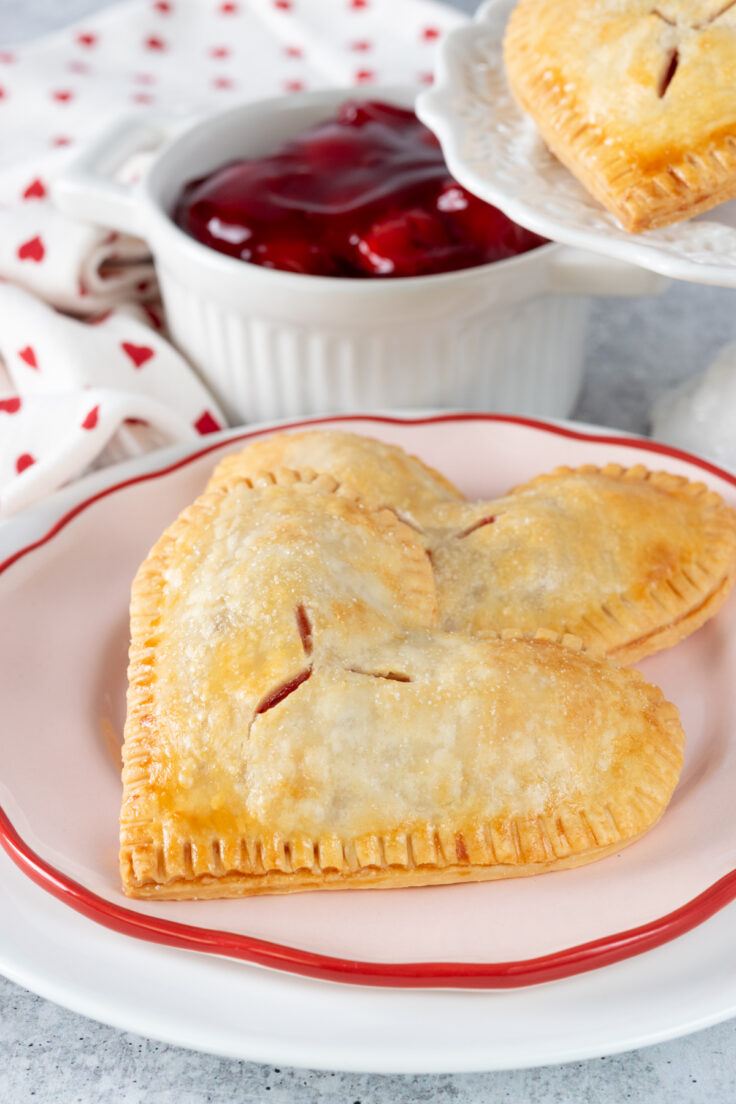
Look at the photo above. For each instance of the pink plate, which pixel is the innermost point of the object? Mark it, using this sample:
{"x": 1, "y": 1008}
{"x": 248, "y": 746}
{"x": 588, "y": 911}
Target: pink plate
{"x": 63, "y": 643}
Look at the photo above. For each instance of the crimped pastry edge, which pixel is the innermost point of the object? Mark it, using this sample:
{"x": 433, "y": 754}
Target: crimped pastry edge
{"x": 628, "y": 629}
{"x": 206, "y": 866}
{"x": 137, "y": 815}
{"x": 230, "y": 468}
{"x": 234, "y": 884}
{"x": 690, "y": 184}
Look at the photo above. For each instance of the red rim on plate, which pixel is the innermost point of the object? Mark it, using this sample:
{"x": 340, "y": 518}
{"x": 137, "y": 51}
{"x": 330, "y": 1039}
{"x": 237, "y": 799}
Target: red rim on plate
{"x": 497, "y": 975}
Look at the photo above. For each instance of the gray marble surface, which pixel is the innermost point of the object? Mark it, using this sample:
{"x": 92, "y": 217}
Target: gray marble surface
{"x": 635, "y": 349}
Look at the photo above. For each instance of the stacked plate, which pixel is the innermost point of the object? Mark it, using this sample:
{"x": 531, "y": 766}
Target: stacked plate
{"x": 606, "y": 957}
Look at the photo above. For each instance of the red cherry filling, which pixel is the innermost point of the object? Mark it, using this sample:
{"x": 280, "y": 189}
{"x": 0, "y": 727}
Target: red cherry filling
{"x": 476, "y": 221}
{"x": 292, "y": 254}
{"x": 275, "y": 697}
{"x": 304, "y": 627}
{"x": 364, "y": 194}
{"x": 480, "y": 524}
{"x": 407, "y": 243}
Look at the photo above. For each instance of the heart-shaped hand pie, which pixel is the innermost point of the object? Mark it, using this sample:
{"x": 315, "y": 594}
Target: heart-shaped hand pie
{"x": 636, "y": 97}
{"x": 629, "y": 560}
{"x": 377, "y": 473}
{"x": 298, "y": 717}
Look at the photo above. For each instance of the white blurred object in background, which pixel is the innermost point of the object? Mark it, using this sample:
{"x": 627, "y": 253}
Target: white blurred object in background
{"x": 699, "y": 415}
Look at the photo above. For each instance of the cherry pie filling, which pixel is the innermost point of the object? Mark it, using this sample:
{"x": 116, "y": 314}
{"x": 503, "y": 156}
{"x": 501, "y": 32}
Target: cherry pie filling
{"x": 367, "y": 193}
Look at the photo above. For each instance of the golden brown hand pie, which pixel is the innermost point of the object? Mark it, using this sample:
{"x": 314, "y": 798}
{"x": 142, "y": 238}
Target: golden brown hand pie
{"x": 297, "y": 721}
{"x": 378, "y": 473}
{"x": 636, "y": 97}
{"x": 631, "y": 561}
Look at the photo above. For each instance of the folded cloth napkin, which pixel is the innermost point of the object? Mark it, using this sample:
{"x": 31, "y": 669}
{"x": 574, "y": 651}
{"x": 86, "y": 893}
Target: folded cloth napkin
{"x": 180, "y": 56}
{"x": 79, "y": 392}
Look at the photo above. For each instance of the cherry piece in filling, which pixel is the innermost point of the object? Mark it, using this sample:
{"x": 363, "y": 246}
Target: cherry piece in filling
{"x": 366, "y": 194}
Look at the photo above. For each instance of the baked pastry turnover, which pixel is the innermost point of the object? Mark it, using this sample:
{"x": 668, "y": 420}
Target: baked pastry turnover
{"x": 630, "y": 561}
{"x": 298, "y": 717}
{"x": 376, "y": 472}
{"x": 636, "y": 97}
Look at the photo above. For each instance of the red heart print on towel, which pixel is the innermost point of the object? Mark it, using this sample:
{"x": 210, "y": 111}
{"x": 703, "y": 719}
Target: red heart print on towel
{"x": 139, "y": 354}
{"x": 10, "y": 406}
{"x": 92, "y": 418}
{"x": 35, "y": 190}
{"x": 87, "y": 39}
{"x": 32, "y": 250}
{"x": 63, "y": 95}
{"x": 29, "y": 356}
{"x": 155, "y": 43}
{"x": 24, "y": 461}
{"x": 206, "y": 423}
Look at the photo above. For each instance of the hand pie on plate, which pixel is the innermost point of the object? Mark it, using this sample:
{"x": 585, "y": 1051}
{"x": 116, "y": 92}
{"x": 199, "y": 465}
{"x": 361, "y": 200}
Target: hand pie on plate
{"x": 377, "y": 473}
{"x": 630, "y": 561}
{"x": 297, "y": 720}
{"x": 636, "y": 97}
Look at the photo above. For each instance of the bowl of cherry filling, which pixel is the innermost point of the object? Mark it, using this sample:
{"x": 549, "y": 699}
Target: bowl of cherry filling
{"x": 314, "y": 254}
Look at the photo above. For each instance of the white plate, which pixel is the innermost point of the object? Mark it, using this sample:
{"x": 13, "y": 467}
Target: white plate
{"x": 64, "y": 626}
{"x": 234, "y": 1009}
{"x": 495, "y": 151}
{"x": 241, "y": 1011}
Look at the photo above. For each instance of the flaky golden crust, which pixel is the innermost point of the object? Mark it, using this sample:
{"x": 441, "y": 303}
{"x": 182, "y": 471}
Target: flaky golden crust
{"x": 378, "y": 473}
{"x": 538, "y": 758}
{"x": 638, "y": 100}
{"x": 669, "y": 575}
{"x": 237, "y": 884}
{"x": 630, "y": 560}
{"x": 319, "y": 699}
{"x": 343, "y": 739}
{"x": 235, "y": 602}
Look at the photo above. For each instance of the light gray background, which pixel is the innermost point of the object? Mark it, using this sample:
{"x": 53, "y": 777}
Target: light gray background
{"x": 635, "y": 349}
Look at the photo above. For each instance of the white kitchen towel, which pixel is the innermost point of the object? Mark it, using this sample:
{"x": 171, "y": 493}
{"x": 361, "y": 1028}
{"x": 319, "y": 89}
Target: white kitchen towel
{"x": 183, "y": 56}
{"x": 80, "y": 391}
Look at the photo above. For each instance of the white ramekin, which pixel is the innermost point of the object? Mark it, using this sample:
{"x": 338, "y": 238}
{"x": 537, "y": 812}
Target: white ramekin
{"x": 505, "y": 336}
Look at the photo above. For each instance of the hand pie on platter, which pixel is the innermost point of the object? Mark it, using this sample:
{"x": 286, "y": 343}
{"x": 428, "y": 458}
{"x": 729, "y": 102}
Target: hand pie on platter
{"x": 298, "y": 720}
{"x": 637, "y": 98}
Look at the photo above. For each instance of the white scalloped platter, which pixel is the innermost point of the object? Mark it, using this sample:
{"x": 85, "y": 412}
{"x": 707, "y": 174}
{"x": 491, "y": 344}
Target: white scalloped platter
{"x": 495, "y": 151}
